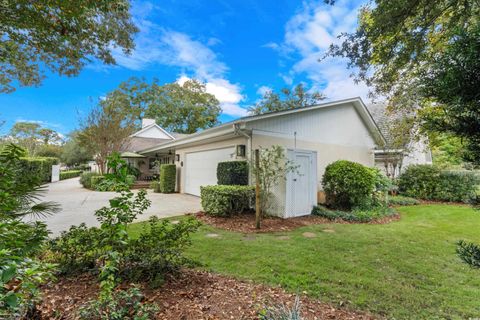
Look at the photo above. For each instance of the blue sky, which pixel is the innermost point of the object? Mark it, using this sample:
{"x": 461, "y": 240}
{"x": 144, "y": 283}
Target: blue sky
{"x": 239, "y": 48}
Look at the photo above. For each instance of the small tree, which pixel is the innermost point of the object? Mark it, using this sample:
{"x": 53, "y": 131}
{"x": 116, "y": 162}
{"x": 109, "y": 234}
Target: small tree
{"x": 270, "y": 167}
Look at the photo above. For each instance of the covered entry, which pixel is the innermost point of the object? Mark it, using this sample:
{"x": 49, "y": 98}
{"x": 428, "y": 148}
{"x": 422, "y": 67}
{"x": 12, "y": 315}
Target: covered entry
{"x": 201, "y": 168}
{"x": 301, "y": 184}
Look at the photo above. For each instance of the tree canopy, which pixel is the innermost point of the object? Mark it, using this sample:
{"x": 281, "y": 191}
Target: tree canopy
{"x": 32, "y": 136}
{"x": 61, "y": 35}
{"x": 286, "y": 99}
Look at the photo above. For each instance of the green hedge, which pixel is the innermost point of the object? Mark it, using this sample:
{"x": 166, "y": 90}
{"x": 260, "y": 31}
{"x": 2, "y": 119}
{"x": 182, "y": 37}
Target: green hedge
{"x": 86, "y": 179}
{"x": 168, "y": 178}
{"x": 430, "y": 183}
{"x": 226, "y": 200}
{"x": 70, "y": 174}
{"x": 232, "y": 173}
{"x": 40, "y": 167}
{"x": 349, "y": 185}
{"x": 355, "y": 215}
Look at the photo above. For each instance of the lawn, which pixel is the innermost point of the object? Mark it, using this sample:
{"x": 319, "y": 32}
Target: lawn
{"x": 405, "y": 269}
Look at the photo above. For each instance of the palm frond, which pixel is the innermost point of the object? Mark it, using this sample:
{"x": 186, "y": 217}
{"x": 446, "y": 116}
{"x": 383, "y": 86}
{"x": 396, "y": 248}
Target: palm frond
{"x": 39, "y": 209}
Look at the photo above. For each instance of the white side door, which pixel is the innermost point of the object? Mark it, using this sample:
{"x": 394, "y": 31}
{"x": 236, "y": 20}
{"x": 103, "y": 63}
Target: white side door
{"x": 201, "y": 168}
{"x": 302, "y": 184}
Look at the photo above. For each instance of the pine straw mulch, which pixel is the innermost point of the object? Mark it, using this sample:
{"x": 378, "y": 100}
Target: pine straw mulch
{"x": 245, "y": 223}
{"x": 192, "y": 295}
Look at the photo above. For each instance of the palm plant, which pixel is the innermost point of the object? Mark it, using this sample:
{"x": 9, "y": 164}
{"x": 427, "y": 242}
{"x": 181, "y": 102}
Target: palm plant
{"x": 19, "y": 193}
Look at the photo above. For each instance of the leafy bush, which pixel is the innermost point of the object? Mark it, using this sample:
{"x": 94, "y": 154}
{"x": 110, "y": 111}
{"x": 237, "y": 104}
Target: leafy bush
{"x": 70, "y": 174}
{"x": 430, "y": 183}
{"x": 232, "y": 173}
{"x": 349, "y": 185}
{"x": 155, "y": 185}
{"x": 130, "y": 179}
{"x": 96, "y": 180}
{"x": 121, "y": 304}
{"x": 402, "y": 201}
{"x": 40, "y": 166}
{"x": 355, "y": 215}
{"x": 86, "y": 179}
{"x": 168, "y": 178}
{"x": 469, "y": 252}
{"x": 226, "y": 200}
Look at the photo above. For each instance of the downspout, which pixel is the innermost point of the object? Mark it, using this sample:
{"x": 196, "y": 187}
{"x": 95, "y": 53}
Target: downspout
{"x": 238, "y": 130}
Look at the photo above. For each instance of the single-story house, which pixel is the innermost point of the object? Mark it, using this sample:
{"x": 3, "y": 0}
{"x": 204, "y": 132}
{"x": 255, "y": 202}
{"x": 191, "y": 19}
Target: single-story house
{"x": 313, "y": 137}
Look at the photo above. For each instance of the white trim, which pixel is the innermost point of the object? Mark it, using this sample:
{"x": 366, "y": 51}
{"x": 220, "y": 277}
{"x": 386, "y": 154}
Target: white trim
{"x": 153, "y": 125}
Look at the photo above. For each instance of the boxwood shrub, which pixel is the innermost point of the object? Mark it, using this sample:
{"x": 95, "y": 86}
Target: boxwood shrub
{"x": 168, "y": 177}
{"x": 349, "y": 185}
{"x": 86, "y": 179}
{"x": 224, "y": 200}
{"x": 70, "y": 174}
{"x": 430, "y": 183}
{"x": 232, "y": 173}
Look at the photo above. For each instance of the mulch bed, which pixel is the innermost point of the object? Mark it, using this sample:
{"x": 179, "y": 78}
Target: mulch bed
{"x": 192, "y": 295}
{"x": 245, "y": 223}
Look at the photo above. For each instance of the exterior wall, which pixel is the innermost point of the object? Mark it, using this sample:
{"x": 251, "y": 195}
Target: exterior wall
{"x": 230, "y": 142}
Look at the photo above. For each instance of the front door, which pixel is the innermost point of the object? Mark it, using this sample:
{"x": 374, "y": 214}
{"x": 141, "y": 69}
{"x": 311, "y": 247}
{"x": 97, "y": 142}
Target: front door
{"x": 301, "y": 184}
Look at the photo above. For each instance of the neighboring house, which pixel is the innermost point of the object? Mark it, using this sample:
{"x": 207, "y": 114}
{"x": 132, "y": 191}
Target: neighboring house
{"x": 313, "y": 137}
{"x": 392, "y": 161}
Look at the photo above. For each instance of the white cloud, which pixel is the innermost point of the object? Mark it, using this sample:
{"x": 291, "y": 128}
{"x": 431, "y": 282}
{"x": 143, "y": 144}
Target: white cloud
{"x": 263, "y": 90}
{"x": 308, "y": 34}
{"x": 156, "y": 45}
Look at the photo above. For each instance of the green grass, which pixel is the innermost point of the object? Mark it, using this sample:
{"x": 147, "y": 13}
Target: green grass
{"x": 404, "y": 270}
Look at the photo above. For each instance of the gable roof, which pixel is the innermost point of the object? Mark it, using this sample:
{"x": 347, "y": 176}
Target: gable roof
{"x": 229, "y": 127}
{"x": 147, "y": 128}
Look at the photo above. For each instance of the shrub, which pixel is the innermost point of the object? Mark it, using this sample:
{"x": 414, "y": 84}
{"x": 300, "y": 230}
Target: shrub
{"x": 86, "y": 179}
{"x": 168, "y": 178}
{"x": 282, "y": 312}
{"x": 70, "y": 174}
{"x": 155, "y": 185}
{"x": 40, "y": 166}
{"x": 106, "y": 184}
{"x": 95, "y": 181}
{"x": 349, "y": 185}
{"x": 469, "y": 252}
{"x": 130, "y": 179}
{"x": 355, "y": 215}
{"x": 402, "y": 201}
{"x": 226, "y": 200}
{"x": 232, "y": 173}
{"x": 430, "y": 183}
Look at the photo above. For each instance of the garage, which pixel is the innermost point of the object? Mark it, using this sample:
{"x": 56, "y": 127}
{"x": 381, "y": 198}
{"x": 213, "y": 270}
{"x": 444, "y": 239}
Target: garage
{"x": 201, "y": 168}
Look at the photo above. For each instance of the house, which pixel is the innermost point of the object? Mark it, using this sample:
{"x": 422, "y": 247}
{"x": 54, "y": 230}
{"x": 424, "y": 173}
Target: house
{"x": 392, "y": 161}
{"x": 313, "y": 137}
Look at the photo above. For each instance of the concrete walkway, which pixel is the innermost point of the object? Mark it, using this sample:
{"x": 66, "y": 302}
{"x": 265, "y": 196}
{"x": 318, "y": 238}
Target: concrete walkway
{"x": 79, "y": 205}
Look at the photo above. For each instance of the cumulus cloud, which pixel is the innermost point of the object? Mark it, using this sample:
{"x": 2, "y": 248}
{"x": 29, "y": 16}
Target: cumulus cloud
{"x": 309, "y": 33}
{"x": 263, "y": 90}
{"x": 156, "y": 45}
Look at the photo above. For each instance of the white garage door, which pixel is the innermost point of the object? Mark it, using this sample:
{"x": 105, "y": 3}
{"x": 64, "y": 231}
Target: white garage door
{"x": 201, "y": 168}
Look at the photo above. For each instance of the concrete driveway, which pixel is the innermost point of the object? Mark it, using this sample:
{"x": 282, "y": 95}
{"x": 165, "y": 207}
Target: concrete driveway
{"x": 79, "y": 205}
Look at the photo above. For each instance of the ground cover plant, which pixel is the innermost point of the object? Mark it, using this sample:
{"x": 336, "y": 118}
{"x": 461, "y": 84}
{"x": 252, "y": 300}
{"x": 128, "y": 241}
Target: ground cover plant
{"x": 361, "y": 266}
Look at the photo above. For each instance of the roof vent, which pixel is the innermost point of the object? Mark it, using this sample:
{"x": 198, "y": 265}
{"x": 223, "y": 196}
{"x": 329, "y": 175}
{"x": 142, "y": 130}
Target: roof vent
{"x": 147, "y": 122}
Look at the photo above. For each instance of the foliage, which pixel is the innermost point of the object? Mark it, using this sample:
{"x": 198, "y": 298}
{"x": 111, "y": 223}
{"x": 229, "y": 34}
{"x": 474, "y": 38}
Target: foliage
{"x": 232, "y": 173}
{"x": 60, "y": 36}
{"x": 282, "y": 312}
{"x": 49, "y": 151}
{"x": 96, "y": 180}
{"x": 452, "y": 82}
{"x": 223, "y": 200}
{"x": 356, "y": 215}
{"x": 20, "y": 189}
{"x": 349, "y": 185}
{"x": 429, "y": 182}
{"x": 292, "y": 99}
{"x": 86, "y": 179}
{"x": 273, "y": 167}
{"x": 402, "y": 201}
{"x": 102, "y": 183}
{"x": 70, "y": 174}
{"x": 73, "y": 153}
{"x": 106, "y": 130}
{"x": 155, "y": 185}
{"x": 168, "y": 178}
{"x": 20, "y": 273}
{"x": 118, "y": 177}
{"x": 447, "y": 150}
{"x": 40, "y": 167}
{"x": 469, "y": 252}
{"x": 32, "y": 136}
{"x": 122, "y": 304}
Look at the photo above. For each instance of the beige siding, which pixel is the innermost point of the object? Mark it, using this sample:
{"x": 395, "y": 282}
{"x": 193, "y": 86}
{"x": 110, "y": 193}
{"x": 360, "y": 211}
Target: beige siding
{"x": 202, "y": 147}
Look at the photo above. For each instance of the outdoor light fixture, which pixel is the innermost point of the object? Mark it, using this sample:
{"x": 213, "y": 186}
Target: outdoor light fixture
{"x": 177, "y": 157}
{"x": 241, "y": 149}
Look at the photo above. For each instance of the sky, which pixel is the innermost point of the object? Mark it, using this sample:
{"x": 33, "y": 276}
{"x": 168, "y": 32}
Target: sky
{"x": 239, "y": 48}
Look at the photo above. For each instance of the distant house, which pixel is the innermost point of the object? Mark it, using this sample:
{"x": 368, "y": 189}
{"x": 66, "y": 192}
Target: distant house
{"x": 392, "y": 161}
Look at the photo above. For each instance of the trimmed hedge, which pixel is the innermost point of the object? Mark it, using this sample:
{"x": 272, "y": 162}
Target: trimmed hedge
{"x": 232, "y": 173}
{"x": 40, "y": 167}
{"x": 429, "y": 182}
{"x": 223, "y": 200}
{"x": 349, "y": 185}
{"x": 86, "y": 179}
{"x": 168, "y": 178}
{"x": 70, "y": 174}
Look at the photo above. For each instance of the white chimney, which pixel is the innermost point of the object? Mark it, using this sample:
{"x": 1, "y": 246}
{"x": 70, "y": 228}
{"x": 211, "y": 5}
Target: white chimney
{"x": 146, "y": 122}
